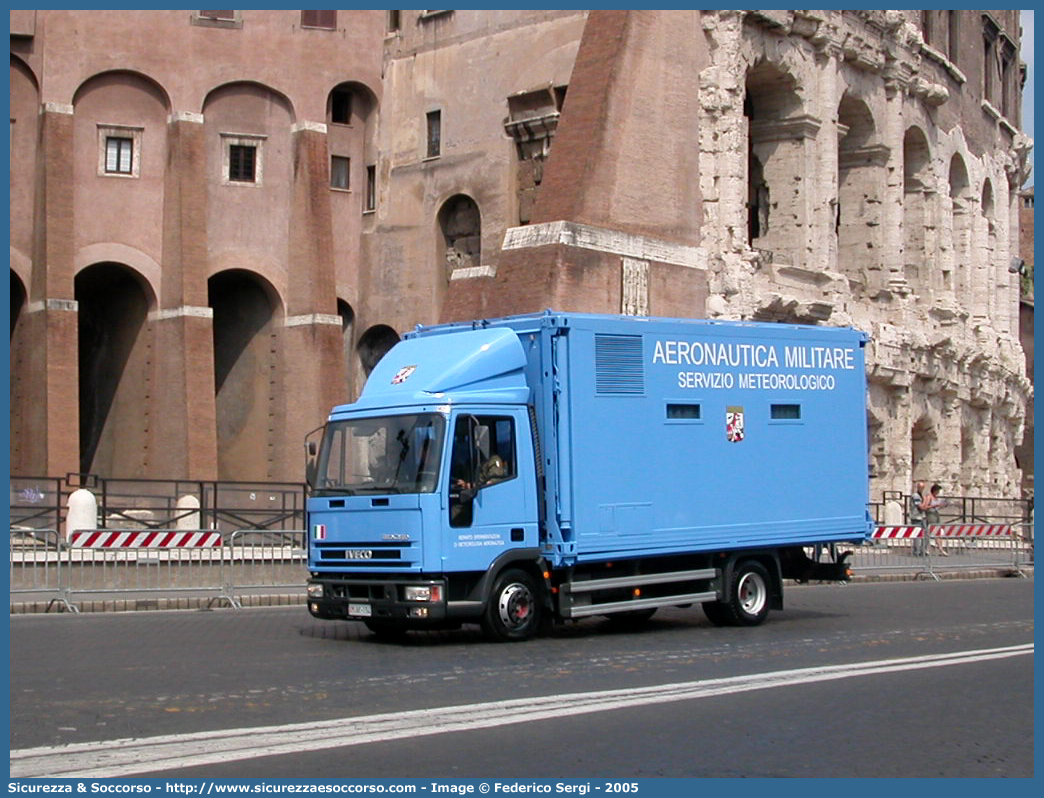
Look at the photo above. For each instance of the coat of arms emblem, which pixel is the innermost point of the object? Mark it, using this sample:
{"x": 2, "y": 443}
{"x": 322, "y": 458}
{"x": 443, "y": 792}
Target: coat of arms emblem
{"x": 403, "y": 374}
{"x": 734, "y": 431}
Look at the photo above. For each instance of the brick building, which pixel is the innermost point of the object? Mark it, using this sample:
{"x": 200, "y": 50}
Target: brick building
{"x": 209, "y": 251}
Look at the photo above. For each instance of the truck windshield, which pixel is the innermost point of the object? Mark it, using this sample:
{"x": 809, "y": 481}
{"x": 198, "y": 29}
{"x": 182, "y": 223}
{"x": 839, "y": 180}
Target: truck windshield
{"x": 394, "y": 454}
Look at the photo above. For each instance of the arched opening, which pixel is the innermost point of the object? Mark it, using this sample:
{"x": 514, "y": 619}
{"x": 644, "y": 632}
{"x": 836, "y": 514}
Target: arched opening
{"x": 22, "y": 358}
{"x": 857, "y": 215}
{"x": 775, "y": 142}
{"x": 374, "y": 344}
{"x": 114, "y": 368}
{"x": 18, "y": 297}
{"x": 461, "y": 241}
{"x": 244, "y": 371}
{"x": 249, "y": 148}
{"x": 120, "y": 128}
{"x": 922, "y": 446}
{"x": 974, "y": 439}
{"x": 961, "y": 210}
{"x": 350, "y": 118}
{"x": 350, "y": 103}
{"x": 993, "y": 280}
{"x": 877, "y": 446}
{"x": 916, "y": 194}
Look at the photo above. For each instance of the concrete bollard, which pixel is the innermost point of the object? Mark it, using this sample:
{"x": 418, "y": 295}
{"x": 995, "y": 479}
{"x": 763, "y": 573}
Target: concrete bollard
{"x": 83, "y": 512}
{"x": 893, "y": 513}
{"x": 187, "y": 520}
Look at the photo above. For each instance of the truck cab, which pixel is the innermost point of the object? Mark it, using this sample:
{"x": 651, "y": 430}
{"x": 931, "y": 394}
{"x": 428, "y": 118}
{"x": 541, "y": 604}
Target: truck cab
{"x": 425, "y": 487}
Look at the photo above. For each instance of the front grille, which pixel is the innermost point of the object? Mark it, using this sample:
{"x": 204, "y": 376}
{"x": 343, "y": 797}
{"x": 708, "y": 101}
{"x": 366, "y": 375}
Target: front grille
{"x": 361, "y": 591}
{"x": 367, "y": 554}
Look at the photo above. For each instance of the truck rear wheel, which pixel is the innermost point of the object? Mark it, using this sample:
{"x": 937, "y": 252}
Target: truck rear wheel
{"x": 747, "y": 598}
{"x": 513, "y": 609}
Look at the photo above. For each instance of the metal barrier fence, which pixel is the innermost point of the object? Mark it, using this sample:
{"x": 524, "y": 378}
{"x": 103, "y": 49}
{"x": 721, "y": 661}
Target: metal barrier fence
{"x": 970, "y": 509}
{"x": 220, "y": 506}
{"x": 37, "y": 503}
{"x": 931, "y": 551}
{"x": 263, "y": 559}
{"x": 110, "y": 564}
{"x": 41, "y": 503}
{"x": 36, "y": 567}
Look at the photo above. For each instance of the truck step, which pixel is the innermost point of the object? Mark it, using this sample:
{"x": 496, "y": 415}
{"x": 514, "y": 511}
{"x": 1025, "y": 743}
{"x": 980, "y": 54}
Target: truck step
{"x": 637, "y": 604}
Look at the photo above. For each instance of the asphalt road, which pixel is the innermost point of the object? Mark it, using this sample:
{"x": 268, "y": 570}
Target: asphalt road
{"x": 849, "y": 681}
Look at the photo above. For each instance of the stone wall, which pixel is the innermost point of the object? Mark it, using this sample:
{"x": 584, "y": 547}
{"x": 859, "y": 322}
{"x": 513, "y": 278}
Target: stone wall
{"x": 877, "y": 217}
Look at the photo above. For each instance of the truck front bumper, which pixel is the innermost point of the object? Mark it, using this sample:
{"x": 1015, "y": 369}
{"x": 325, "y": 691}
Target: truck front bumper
{"x": 418, "y": 601}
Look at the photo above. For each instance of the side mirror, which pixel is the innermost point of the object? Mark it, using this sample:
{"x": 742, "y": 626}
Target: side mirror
{"x": 311, "y": 451}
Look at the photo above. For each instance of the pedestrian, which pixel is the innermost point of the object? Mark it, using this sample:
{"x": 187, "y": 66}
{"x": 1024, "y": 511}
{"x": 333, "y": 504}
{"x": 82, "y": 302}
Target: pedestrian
{"x": 931, "y": 505}
{"x": 920, "y": 543}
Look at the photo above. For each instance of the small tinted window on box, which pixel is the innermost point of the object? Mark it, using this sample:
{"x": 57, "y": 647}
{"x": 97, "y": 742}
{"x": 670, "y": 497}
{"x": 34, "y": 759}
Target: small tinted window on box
{"x": 786, "y": 412}
{"x": 683, "y": 412}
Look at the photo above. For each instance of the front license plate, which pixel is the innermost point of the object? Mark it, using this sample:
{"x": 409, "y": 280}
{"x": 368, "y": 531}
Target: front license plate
{"x": 361, "y": 610}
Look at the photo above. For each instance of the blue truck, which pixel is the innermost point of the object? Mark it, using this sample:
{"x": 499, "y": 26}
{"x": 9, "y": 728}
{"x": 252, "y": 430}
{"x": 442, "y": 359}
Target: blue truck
{"x": 520, "y": 471}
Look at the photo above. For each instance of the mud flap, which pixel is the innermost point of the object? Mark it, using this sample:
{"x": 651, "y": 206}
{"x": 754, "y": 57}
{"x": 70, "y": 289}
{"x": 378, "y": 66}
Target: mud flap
{"x": 798, "y": 566}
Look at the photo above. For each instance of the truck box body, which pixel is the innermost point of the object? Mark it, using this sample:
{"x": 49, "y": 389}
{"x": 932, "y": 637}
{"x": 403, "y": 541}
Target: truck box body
{"x": 630, "y": 439}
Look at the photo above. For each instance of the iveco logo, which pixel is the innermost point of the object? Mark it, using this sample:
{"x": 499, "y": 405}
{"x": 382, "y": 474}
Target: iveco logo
{"x": 358, "y": 554}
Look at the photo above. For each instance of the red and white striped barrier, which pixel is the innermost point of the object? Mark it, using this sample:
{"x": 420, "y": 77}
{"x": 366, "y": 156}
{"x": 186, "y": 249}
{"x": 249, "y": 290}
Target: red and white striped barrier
{"x": 971, "y": 531}
{"x": 897, "y": 532}
{"x": 144, "y": 539}
{"x": 944, "y": 531}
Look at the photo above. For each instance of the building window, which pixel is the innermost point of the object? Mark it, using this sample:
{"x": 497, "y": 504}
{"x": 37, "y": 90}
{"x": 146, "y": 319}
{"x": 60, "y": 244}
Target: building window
{"x": 242, "y": 159}
{"x": 990, "y": 32}
{"x": 394, "y": 21}
{"x": 341, "y": 107}
{"x": 434, "y": 134}
{"x": 340, "y": 172}
{"x": 1008, "y": 85}
{"x": 119, "y": 150}
{"x": 119, "y": 155}
{"x": 371, "y": 188}
{"x": 217, "y": 19}
{"x": 953, "y": 36}
{"x": 319, "y": 19}
{"x": 927, "y": 33}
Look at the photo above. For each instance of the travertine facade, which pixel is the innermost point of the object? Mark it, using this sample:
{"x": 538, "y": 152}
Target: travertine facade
{"x": 897, "y": 213}
{"x": 821, "y": 167}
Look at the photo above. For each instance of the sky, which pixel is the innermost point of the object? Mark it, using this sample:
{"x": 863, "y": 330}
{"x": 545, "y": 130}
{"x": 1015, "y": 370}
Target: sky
{"x": 1027, "y": 95}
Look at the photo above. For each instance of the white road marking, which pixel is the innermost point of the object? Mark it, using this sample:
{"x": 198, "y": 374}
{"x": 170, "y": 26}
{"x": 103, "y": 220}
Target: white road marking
{"x": 128, "y": 757}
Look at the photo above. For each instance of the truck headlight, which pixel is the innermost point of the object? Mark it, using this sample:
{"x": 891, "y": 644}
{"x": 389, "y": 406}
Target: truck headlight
{"x": 315, "y": 591}
{"x": 422, "y": 593}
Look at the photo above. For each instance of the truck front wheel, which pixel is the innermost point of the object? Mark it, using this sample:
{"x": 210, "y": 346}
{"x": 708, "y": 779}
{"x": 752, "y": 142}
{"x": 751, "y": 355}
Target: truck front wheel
{"x": 513, "y": 609}
{"x": 746, "y": 600}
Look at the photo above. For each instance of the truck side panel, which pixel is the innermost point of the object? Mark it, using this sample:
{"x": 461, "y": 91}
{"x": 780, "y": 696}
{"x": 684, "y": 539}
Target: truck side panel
{"x": 711, "y": 438}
